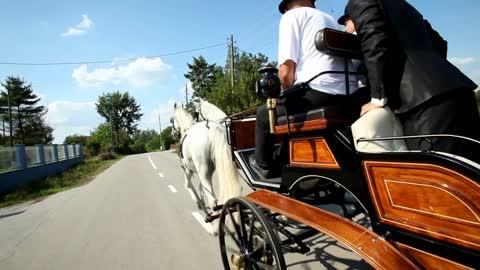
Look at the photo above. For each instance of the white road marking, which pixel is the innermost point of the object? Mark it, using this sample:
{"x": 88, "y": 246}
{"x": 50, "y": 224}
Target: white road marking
{"x": 161, "y": 175}
{"x": 201, "y": 220}
{"x": 151, "y": 162}
{"x": 172, "y": 188}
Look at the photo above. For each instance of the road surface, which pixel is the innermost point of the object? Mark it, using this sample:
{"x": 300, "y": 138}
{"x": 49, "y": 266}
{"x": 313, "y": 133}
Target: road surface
{"x": 135, "y": 215}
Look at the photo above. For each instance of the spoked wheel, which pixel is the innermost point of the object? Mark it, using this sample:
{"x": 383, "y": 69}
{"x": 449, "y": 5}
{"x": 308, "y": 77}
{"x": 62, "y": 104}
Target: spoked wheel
{"x": 247, "y": 241}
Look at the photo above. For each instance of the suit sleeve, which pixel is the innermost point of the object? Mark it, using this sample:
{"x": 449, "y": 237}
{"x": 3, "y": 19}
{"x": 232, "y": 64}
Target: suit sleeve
{"x": 371, "y": 28}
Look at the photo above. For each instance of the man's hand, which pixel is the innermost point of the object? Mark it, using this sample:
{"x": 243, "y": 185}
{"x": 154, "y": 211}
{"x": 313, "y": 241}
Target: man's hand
{"x": 286, "y": 73}
{"x": 368, "y": 107}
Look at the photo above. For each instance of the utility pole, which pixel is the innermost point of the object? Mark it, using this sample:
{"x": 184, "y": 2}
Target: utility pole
{"x": 111, "y": 132}
{"x": 10, "y": 125}
{"x": 160, "y": 129}
{"x": 232, "y": 72}
{"x": 3, "y": 130}
{"x": 232, "y": 63}
{"x": 186, "y": 95}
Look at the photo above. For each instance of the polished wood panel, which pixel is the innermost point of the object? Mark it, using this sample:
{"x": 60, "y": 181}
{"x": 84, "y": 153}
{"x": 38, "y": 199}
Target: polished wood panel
{"x": 316, "y": 124}
{"x": 368, "y": 245}
{"x": 426, "y": 199}
{"x": 312, "y": 152}
{"x": 430, "y": 261}
{"x": 242, "y": 133}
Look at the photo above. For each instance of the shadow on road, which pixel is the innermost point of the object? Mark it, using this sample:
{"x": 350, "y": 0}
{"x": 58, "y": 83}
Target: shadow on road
{"x": 11, "y": 214}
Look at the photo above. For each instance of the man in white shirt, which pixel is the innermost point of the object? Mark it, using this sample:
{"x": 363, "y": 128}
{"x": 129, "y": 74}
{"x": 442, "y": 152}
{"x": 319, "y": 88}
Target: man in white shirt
{"x": 299, "y": 61}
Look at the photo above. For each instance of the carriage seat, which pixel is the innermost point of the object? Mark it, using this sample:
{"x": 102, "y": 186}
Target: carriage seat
{"x": 331, "y": 42}
{"x": 321, "y": 118}
{"x": 338, "y": 43}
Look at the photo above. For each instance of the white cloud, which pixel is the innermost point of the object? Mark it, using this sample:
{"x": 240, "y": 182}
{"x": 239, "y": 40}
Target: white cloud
{"x": 141, "y": 72}
{"x": 81, "y": 28}
{"x": 68, "y": 117}
{"x": 462, "y": 60}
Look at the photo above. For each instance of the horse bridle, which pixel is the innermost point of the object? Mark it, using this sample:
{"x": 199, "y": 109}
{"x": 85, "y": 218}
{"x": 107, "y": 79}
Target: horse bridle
{"x": 177, "y": 132}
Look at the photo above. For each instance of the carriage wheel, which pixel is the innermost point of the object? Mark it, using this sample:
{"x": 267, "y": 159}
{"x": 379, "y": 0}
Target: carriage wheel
{"x": 247, "y": 241}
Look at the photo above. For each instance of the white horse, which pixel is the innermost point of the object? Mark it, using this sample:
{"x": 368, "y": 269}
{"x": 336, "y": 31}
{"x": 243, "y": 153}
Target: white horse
{"x": 204, "y": 149}
{"x": 210, "y": 112}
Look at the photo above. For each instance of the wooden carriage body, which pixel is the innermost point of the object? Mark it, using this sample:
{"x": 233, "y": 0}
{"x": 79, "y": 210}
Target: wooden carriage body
{"x": 424, "y": 206}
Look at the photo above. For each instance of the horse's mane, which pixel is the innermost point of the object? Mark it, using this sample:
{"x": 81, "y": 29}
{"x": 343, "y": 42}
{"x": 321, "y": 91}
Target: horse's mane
{"x": 211, "y": 112}
{"x": 184, "y": 119}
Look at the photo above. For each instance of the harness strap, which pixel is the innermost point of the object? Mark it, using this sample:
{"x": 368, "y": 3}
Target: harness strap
{"x": 211, "y": 194}
{"x": 180, "y": 149}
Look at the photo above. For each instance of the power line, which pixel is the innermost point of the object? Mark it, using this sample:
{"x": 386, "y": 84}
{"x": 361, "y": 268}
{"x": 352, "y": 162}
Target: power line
{"x": 109, "y": 61}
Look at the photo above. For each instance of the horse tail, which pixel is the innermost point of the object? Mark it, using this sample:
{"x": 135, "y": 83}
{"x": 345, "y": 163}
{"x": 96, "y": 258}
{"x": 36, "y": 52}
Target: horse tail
{"x": 229, "y": 178}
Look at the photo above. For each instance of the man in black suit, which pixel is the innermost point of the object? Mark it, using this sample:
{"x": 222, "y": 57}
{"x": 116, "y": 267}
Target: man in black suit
{"x": 409, "y": 72}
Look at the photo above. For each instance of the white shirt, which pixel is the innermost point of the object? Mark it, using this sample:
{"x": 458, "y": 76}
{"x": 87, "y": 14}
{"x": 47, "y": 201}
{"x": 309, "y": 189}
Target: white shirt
{"x": 298, "y": 28}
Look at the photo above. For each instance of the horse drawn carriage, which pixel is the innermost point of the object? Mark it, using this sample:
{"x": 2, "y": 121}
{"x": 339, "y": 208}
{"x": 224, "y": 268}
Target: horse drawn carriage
{"x": 396, "y": 209}
{"x": 422, "y": 207}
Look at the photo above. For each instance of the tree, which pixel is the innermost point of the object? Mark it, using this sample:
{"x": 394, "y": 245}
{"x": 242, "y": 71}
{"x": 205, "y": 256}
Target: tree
{"x": 100, "y": 140}
{"x": 167, "y": 138}
{"x": 143, "y": 141}
{"x": 28, "y": 125}
{"x": 76, "y": 139}
{"x": 121, "y": 111}
{"x": 37, "y": 131}
{"x": 202, "y": 76}
{"x": 243, "y": 96}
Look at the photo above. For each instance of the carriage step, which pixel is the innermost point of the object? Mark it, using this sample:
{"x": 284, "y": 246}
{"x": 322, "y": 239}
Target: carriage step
{"x": 371, "y": 247}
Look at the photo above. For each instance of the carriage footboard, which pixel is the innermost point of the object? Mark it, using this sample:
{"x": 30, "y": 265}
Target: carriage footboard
{"x": 371, "y": 247}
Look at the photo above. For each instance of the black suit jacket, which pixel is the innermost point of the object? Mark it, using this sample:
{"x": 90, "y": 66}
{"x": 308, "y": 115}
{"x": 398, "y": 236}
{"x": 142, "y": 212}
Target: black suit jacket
{"x": 403, "y": 63}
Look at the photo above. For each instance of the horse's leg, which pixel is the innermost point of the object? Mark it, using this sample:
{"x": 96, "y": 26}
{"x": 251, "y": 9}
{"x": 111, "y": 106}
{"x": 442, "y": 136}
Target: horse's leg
{"x": 188, "y": 185}
{"x": 205, "y": 174}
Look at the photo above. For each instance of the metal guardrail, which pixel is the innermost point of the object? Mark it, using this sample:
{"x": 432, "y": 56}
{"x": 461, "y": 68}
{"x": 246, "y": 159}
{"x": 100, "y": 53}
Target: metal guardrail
{"x": 7, "y": 159}
{"x": 20, "y": 165}
{"x": 21, "y": 157}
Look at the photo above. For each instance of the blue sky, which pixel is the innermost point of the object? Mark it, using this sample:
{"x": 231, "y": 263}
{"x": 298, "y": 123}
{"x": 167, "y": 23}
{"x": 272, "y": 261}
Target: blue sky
{"x": 75, "y": 31}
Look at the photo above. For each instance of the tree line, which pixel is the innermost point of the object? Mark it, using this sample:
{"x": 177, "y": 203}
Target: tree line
{"x": 119, "y": 132}
{"x": 23, "y": 122}
{"x": 213, "y": 82}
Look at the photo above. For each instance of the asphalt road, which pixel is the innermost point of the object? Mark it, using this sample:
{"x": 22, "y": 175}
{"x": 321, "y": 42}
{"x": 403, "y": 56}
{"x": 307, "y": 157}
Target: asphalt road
{"x": 135, "y": 215}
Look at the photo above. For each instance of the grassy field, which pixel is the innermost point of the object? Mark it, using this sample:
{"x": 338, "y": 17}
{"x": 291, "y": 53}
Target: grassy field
{"x": 74, "y": 177}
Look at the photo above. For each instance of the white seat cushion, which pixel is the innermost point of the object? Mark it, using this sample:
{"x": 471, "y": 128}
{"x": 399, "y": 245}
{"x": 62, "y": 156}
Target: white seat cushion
{"x": 378, "y": 123}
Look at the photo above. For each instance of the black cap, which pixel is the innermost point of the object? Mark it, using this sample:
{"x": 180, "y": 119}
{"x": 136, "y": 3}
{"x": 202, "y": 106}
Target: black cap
{"x": 282, "y": 7}
{"x": 343, "y": 19}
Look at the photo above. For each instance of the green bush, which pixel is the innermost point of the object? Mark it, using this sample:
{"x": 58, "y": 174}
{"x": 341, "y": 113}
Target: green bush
{"x": 123, "y": 149}
{"x": 106, "y": 156}
{"x": 93, "y": 148}
{"x": 138, "y": 148}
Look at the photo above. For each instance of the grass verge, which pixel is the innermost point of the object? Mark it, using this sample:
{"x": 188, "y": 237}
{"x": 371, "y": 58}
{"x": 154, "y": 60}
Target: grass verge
{"x": 76, "y": 176}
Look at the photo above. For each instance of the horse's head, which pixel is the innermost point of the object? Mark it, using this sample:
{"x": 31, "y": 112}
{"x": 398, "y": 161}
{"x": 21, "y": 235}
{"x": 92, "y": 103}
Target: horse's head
{"x": 181, "y": 121}
{"x": 175, "y": 129}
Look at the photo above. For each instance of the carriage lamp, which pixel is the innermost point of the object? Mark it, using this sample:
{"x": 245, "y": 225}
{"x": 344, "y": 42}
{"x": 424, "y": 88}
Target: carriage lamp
{"x": 269, "y": 87}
